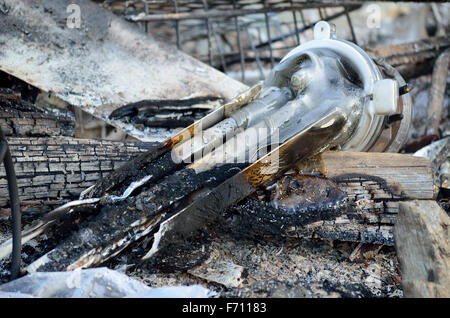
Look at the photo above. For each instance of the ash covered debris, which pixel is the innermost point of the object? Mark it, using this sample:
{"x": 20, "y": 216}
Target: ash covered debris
{"x": 20, "y": 118}
{"x": 292, "y": 202}
{"x": 290, "y": 267}
{"x": 166, "y": 113}
{"x": 232, "y": 227}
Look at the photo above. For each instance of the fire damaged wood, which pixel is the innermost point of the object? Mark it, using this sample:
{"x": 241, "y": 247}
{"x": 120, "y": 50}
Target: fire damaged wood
{"x": 294, "y": 201}
{"x": 118, "y": 225}
{"x": 422, "y": 234}
{"x": 155, "y": 163}
{"x": 19, "y": 118}
{"x": 352, "y": 207}
{"x": 168, "y": 113}
{"x": 413, "y": 59}
{"x": 51, "y": 171}
{"x": 373, "y": 185}
{"x": 123, "y": 220}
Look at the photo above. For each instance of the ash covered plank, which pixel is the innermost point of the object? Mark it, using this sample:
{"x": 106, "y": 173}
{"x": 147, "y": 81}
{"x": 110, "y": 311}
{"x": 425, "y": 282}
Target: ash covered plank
{"x": 422, "y": 234}
{"x": 52, "y": 170}
{"x": 102, "y": 65}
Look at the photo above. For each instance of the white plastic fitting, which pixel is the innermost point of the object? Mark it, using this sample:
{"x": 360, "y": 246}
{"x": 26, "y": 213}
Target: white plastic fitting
{"x": 385, "y": 97}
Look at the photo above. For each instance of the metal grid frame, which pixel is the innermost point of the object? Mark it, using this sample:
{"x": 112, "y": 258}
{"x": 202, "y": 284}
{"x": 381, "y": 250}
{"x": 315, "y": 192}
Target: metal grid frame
{"x": 216, "y": 21}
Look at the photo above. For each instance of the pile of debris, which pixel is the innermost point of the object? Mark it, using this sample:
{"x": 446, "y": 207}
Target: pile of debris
{"x": 312, "y": 221}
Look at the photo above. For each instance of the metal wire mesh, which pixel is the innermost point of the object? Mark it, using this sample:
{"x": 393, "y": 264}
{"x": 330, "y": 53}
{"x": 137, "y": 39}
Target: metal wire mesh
{"x": 243, "y": 38}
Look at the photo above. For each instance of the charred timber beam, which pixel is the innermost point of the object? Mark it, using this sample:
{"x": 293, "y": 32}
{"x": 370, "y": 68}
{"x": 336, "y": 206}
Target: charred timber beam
{"x": 413, "y": 59}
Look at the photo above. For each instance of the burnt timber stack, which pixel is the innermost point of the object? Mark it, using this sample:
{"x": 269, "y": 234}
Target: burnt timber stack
{"x": 52, "y": 171}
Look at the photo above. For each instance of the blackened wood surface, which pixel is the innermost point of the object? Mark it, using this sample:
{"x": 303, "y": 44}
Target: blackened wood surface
{"x": 50, "y": 170}
{"x": 415, "y": 58}
{"x": 375, "y": 183}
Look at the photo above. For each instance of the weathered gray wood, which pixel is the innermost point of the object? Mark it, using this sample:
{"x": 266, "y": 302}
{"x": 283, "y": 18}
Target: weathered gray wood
{"x": 415, "y": 58}
{"x": 437, "y": 92}
{"x": 422, "y": 236}
{"x": 52, "y": 170}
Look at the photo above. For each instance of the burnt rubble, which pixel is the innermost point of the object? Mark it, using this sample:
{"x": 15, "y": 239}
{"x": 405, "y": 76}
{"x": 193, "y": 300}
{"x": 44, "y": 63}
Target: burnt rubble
{"x": 20, "y": 118}
{"x": 326, "y": 208}
{"x": 166, "y": 113}
{"x": 292, "y": 202}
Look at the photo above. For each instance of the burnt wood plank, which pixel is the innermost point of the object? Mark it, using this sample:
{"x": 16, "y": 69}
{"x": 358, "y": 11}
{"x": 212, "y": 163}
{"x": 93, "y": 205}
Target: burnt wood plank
{"x": 375, "y": 184}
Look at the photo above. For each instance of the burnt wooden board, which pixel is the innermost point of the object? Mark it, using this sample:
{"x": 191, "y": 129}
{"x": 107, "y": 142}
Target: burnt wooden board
{"x": 102, "y": 65}
{"x": 375, "y": 183}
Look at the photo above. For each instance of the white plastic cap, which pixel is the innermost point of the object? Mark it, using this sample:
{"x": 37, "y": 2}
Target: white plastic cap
{"x": 385, "y": 97}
